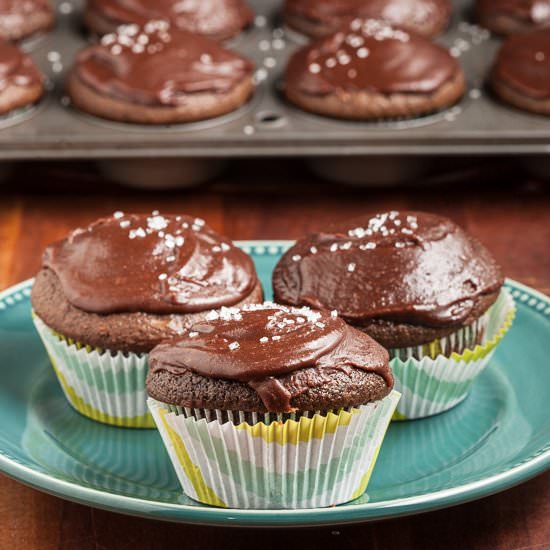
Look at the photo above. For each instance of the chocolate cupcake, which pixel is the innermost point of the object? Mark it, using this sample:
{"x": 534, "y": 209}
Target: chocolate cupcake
{"x": 318, "y": 18}
{"x": 415, "y": 282}
{"x": 107, "y": 294}
{"x": 511, "y": 16}
{"x": 159, "y": 75}
{"x": 22, "y": 18}
{"x": 370, "y": 70}
{"x": 215, "y": 19}
{"x": 521, "y": 74}
{"x": 250, "y": 388}
{"x": 21, "y": 82}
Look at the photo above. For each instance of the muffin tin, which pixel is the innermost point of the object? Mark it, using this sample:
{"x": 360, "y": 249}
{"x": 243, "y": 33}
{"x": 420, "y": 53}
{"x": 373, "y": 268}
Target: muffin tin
{"x": 268, "y": 125}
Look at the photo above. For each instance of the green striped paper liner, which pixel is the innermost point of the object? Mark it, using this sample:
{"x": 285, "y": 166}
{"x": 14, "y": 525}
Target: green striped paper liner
{"x": 318, "y": 461}
{"x": 432, "y": 385}
{"x": 108, "y": 387}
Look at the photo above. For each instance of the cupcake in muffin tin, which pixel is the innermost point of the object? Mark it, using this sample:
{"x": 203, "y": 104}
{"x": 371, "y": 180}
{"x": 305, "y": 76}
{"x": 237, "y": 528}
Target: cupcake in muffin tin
{"x": 260, "y": 406}
{"x": 157, "y": 74}
{"x": 108, "y": 293}
{"x": 318, "y": 18}
{"x": 511, "y": 16}
{"x": 369, "y": 70}
{"x": 21, "y": 82}
{"x": 21, "y": 19}
{"x": 215, "y": 19}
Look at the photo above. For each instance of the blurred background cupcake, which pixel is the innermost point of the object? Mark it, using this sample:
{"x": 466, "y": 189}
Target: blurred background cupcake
{"x": 108, "y": 293}
{"x": 272, "y": 407}
{"x": 21, "y": 19}
{"x": 215, "y": 19}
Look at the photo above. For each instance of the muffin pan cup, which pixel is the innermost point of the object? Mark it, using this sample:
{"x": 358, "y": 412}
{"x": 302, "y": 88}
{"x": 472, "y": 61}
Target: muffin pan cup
{"x": 318, "y": 460}
{"x": 431, "y": 382}
{"x": 104, "y": 386}
{"x": 269, "y": 125}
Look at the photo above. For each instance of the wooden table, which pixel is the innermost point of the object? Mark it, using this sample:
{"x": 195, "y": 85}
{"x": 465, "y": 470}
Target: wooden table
{"x": 276, "y": 200}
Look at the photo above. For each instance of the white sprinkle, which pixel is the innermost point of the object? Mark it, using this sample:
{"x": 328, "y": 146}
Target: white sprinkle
{"x": 315, "y": 68}
{"x": 296, "y": 258}
{"x": 334, "y": 247}
{"x": 275, "y": 338}
{"x": 270, "y": 62}
{"x": 351, "y": 267}
{"x": 320, "y": 325}
{"x": 116, "y": 49}
{"x": 118, "y": 214}
{"x": 212, "y": 316}
{"x": 193, "y": 334}
{"x": 140, "y": 232}
{"x": 234, "y": 345}
{"x": 216, "y": 249}
{"x": 331, "y": 62}
{"x": 264, "y": 45}
{"x": 313, "y": 250}
{"x": 399, "y": 245}
{"x": 362, "y": 53}
{"x": 163, "y": 277}
{"x": 124, "y": 224}
{"x": 406, "y": 231}
{"x": 300, "y": 320}
{"x": 225, "y": 247}
{"x": 170, "y": 258}
{"x": 248, "y": 130}
{"x": 334, "y": 313}
{"x": 179, "y": 241}
{"x": 345, "y": 246}
{"x": 264, "y": 340}
{"x": 539, "y": 56}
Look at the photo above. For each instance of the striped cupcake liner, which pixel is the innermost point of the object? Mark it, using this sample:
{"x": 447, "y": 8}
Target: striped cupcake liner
{"x": 104, "y": 386}
{"x": 318, "y": 460}
{"x": 436, "y": 382}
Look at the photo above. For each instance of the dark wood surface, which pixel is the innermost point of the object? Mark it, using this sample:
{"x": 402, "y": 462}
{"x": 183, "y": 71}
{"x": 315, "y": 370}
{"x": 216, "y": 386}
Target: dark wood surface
{"x": 277, "y": 200}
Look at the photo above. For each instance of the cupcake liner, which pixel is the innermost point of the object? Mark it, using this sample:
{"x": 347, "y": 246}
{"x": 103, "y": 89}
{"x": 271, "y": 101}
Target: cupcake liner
{"x": 432, "y": 385}
{"x": 104, "y": 386}
{"x": 319, "y": 460}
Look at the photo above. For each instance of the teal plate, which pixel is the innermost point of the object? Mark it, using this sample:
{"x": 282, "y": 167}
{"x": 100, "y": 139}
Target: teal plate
{"x": 498, "y": 437}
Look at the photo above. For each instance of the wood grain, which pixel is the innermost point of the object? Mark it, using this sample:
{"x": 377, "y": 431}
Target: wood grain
{"x": 511, "y": 217}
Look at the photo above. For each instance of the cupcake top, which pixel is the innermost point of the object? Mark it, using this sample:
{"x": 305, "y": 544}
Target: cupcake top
{"x": 152, "y": 264}
{"x": 159, "y": 65}
{"x": 523, "y": 63}
{"x": 371, "y": 55}
{"x": 17, "y": 68}
{"x": 264, "y": 346}
{"x": 14, "y": 12}
{"x": 205, "y": 17}
{"x": 406, "y": 13}
{"x": 536, "y": 12}
{"x": 405, "y": 267}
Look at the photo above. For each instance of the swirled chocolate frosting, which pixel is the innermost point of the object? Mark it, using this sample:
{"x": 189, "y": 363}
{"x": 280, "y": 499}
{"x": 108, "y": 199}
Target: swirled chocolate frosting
{"x": 533, "y": 11}
{"x": 370, "y": 55}
{"x": 159, "y": 65}
{"x": 335, "y": 13}
{"x": 260, "y": 342}
{"x": 206, "y": 17}
{"x": 17, "y": 68}
{"x": 523, "y": 63}
{"x": 153, "y": 264}
{"x": 405, "y": 267}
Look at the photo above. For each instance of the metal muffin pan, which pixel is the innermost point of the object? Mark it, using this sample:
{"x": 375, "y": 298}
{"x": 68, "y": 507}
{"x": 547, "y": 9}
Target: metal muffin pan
{"x": 268, "y": 125}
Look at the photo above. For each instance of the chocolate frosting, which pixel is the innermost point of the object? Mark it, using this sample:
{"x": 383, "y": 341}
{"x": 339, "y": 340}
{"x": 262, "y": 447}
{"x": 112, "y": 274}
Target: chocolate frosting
{"x": 207, "y": 17}
{"x": 371, "y": 55}
{"x": 260, "y": 342}
{"x": 534, "y": 11}
{"x": 524, "y": 63}
{"x": 405, "y": 267}
{"x": 406, "y": 13}
{"x": 153, "y": 264}
{"x": 157, "y": 65}
{"x": 17, "y": 68}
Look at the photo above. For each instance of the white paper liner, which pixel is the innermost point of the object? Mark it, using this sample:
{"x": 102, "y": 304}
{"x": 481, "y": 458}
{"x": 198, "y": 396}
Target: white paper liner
{"x": 104, "y": 386}
{"x": 315, "y": 462}
{"x": 431, "y": 386}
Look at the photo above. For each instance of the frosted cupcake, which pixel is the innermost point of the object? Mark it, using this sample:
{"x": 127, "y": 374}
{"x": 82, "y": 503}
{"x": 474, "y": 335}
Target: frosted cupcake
{"x": 415, "y": 282}
{"x": 107, "y": 294}
{"x": 268, "y": 406}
